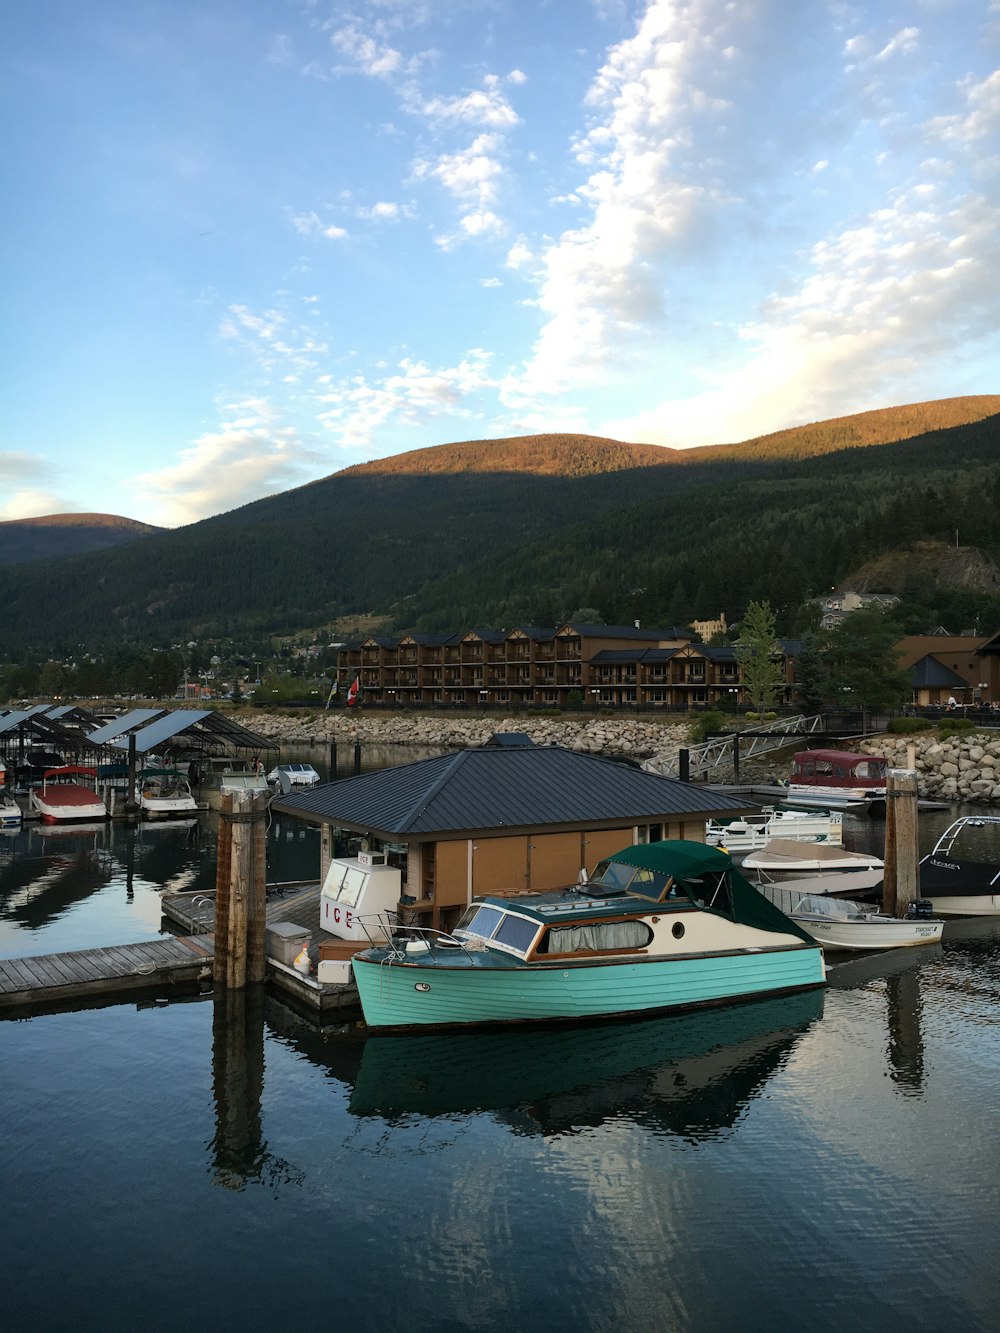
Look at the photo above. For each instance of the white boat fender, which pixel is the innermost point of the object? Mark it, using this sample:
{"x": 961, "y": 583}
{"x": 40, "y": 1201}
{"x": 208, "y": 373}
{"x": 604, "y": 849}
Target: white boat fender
{"x": 301, "y": 961}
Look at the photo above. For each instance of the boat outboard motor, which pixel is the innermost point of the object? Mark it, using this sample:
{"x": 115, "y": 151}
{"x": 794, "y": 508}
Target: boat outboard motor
{"x": 920, "y": 907}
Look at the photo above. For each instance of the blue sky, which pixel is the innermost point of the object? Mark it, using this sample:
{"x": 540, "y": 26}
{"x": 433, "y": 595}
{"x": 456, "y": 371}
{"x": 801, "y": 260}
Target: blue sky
{"x": 248, "y": 244}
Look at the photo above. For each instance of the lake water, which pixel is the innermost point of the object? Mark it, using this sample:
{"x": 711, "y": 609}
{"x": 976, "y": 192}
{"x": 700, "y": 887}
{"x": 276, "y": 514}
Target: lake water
{"x": 826, "y": 1161}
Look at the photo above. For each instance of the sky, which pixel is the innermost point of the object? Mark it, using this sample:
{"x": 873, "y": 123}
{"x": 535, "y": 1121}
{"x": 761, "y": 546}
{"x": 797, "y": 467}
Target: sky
{"x": 249, "y": 243}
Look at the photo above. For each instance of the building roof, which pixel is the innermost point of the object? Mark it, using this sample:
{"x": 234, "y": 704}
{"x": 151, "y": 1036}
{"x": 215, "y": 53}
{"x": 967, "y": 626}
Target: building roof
{"x": 206, "y": 730}
{"x": 608, "y": 656}
{"x": 504, "y": 788}
{"x": 629, "y": 632}
{"x": 930, "y": 673}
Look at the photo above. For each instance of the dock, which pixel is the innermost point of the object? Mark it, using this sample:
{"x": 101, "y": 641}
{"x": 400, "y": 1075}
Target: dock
{"x": 66, "y": 980}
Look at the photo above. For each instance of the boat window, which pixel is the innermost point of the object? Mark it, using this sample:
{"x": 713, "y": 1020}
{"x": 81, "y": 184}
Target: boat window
{"x": 612, "y": 875}
{"x": 516, "y": 932}
{"x": 601, "y": 935}
{"x": 823, "y": 768}
{"x": 481, "y": 921}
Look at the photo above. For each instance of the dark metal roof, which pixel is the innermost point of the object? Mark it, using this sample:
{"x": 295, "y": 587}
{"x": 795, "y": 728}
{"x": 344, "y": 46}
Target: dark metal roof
{"x": 509, "y": 738}
{"x": 504, "y": 788}
{"x": 930, "y": 673}
{"x": 207, "y": 730}
{"x": 629, "y": 632}
{"x": 608, "y": 656}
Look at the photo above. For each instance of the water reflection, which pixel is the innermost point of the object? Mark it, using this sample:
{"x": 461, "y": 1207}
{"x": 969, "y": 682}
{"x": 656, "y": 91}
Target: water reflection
{"x": 692, "y": 1075}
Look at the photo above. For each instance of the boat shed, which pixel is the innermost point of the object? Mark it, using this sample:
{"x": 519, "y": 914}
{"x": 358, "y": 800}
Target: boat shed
{"x": 500, "y": 819}
{"x": 187, "y": 733}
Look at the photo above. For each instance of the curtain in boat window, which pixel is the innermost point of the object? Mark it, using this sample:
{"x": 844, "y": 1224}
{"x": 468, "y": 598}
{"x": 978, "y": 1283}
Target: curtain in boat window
{"x": 605, "y": 935}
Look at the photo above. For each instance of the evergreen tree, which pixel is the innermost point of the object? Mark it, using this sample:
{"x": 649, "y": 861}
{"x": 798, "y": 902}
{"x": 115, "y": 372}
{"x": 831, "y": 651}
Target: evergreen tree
{"x": 759, "y": 656}
{"x": 861, "y": 664}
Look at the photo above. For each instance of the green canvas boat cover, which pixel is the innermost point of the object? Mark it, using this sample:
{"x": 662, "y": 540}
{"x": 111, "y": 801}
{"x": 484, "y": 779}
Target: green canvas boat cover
{"x": 688, "y": 863}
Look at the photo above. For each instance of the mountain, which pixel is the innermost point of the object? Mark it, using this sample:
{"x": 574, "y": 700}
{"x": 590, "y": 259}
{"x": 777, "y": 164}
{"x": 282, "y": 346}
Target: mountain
{"x": 55, "y": 535}
{"x": 530, "y": 529}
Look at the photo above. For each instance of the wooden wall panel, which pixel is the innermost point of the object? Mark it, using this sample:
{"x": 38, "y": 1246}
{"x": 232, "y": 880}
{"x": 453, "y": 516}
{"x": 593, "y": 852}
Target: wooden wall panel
{"x": 452, "y": 873}
{"x": 598, "y": 843}
{"x": 499, "y": 865}
{"x": 554, "y": 860}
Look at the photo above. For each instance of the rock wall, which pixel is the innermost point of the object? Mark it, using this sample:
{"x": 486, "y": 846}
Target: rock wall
{"x": 617, "y": 736}
{"x": 955, "y": 768}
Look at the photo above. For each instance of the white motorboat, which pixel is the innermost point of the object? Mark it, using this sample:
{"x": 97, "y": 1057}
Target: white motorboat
{"x": 749, "y": 833}
{"x": 961, "y": 875}
{"x": 286, "y": 776}
{"x": 10, "y": 812}
{"x": 164, "y": 792}
{"x": 837, "y": 924}
{"x": 67, "y": 793}
{"x": 217, "y": 775}
{"x": 815, "y": 867}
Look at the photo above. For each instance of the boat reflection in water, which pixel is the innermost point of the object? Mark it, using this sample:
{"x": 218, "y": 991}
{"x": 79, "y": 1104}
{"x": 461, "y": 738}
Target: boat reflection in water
{"x": 693, "y": 1074}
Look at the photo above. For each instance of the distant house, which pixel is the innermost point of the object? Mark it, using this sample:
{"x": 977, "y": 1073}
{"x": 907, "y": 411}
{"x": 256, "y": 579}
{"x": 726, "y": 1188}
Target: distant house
{"x": 707, "y": 629}
{"x": 505, "y": 818}
{"x": 841, "y": 603}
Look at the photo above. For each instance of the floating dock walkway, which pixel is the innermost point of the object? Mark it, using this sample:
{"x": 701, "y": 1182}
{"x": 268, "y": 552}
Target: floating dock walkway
{"x": 58, "y": 979}
{"x": 66, "y": 980}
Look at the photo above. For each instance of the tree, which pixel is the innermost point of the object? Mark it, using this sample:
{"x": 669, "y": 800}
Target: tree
{"x": 759, "y": 655}
{"x": 861, "y": 665}
{"x": 51, "y": 679}
{"x": 810, "y": 675}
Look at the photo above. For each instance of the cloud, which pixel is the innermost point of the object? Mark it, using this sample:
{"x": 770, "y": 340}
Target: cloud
{"x": 366, "y": 55}
{"x": 472, "y": 176}
{"x": 909, "y": 287}
{"x": 411, "y": 395}
{"x": 24, "y": 476}
{"x": 309, "y": 224}
{"x": 485, "y": 106}
{"x": 250, "y": 454}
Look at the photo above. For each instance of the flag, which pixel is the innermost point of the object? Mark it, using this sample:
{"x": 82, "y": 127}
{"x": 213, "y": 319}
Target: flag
{"x": 352, "y": 693}
{"x": 334, "y": 689}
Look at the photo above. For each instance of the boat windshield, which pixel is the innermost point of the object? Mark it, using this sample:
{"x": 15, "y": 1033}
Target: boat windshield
{"x": 613, "y": 877}
{"x": 510, "y": 932}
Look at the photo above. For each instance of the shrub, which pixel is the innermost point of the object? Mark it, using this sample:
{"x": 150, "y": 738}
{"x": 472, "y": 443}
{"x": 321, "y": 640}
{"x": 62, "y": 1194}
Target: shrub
{"x": 954, "y": 726}
{"x": 906, "y": 726}
{"x": 769, "y": 717}
{"x": 713, "y": 720}
{"x": 751, "y": 715}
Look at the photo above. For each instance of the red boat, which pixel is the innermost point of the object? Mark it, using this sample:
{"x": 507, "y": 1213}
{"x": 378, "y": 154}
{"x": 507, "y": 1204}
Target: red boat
{"x": 834, "y": 778}
{"x": 62, "y": 796}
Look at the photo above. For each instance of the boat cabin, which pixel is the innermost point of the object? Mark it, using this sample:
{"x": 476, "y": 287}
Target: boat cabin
{"x": 839, "y": 768}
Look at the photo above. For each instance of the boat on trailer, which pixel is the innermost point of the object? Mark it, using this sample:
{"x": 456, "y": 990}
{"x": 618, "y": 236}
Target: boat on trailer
{"x": 961, "y": 874}
{"x": 67, "y": 793}
{"x": 659, "y": 927}
{"x": 843, "y": 925}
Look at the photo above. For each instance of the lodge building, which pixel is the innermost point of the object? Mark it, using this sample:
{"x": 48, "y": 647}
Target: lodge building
{"x": 531, "y": 667}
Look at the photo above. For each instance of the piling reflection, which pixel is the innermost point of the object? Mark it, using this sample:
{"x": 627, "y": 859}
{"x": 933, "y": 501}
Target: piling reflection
{"x": 905, "y": 1046}
{"x": 239, "y": 1153}
{"x": 692, "y": 1075}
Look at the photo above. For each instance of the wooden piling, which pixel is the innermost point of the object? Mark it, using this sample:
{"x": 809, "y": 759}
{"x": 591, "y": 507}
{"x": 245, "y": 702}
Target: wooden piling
{"x": 899, "y": 886}
{"x": 333, "y": 761}
{"x": 240, "y": 925}
{"x": 357, "y": 756}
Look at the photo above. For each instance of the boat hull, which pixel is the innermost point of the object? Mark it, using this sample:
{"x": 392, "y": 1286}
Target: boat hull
{"x": 987, "y": 904}
{"x": 414, "y": 995}
{"x": 870, "y": 935}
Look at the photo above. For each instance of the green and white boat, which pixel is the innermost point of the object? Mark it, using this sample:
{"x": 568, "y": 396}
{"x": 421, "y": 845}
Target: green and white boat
{"x": 659, "y": 927}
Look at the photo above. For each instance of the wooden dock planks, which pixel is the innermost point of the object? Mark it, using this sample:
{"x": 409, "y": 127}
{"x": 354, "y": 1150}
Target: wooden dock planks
{"x": 86, "y": 973}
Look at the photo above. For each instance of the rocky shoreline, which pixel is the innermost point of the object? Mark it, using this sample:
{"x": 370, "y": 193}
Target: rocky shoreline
{"x": 965, "y": 768}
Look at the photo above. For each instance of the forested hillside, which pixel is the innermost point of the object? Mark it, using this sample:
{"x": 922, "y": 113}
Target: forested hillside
{"x": 528, "y": 530}
{"x": 55, "y": 535}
